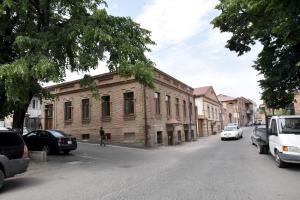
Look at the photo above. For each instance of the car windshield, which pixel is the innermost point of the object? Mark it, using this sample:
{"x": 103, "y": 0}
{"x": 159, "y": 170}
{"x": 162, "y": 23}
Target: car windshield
{"x": 290, "y": 125}
{"x": 230, "y": 128}
{"x": 57, "y": 133}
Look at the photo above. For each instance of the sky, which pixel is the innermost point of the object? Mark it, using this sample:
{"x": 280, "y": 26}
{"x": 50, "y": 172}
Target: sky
{"x": 188, "y": 47}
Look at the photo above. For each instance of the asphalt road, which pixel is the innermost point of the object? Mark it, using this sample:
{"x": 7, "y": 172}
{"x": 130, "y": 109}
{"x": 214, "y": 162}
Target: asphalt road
{"x": 206, "y": 169}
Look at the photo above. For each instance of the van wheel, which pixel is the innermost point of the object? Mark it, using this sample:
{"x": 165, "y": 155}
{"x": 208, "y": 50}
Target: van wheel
{"x": 1, "y": 179}
{"x": 278, "y": 161}
{"x": 260, "y": 149}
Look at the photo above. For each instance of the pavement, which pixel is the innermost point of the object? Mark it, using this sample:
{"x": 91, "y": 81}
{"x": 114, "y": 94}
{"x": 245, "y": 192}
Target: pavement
{"x": 208, "y": 169}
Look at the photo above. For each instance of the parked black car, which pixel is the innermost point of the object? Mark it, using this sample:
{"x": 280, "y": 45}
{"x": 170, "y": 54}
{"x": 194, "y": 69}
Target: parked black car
{"x": 51, "y": 141}
{"x": 13, "y": 155}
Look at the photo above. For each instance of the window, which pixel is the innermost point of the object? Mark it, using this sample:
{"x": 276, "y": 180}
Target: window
{"x": 68, "y": 111}
{"x": 85, "y": 109}
{"x": 157, "y": 102}
{"x": 177, "y": 108}
{"x": 168, "y": 105}
{"x": 191, "y": 108}
{"x": 274, "y": 126}
{"x": 184, "y": 109}
{"x": 85, "y": 136}
{"x": 129, "y": 136}
{"x": 105, "y": 106}
{"x": 33, "y": 104}
{"x": 128, "y": 103}
{"x": 208, "y": 112}
{"x": 159, "y": 137}
{"x": 212, "y": 113}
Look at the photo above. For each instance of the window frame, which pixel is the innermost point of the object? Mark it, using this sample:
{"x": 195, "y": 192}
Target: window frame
{"x": 85, "y": 117}
{"x": 177, "y": 108}
{"x": 157, "y": 103}
{"x": 127, "y": 102}
{"x": 105, "y": 103}
{"x": 66, "y": 118}
{"x": 168, "y": 105}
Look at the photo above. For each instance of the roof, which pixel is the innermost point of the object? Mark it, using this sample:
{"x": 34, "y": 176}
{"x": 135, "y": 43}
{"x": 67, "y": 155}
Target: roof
{"x": 223, "y": 98}
{"x": 201, "y": 90}
{"x": 115, "y": 73}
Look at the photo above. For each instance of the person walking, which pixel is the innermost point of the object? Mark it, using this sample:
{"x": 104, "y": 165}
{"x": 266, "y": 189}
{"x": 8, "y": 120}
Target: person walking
{"x": 102, "y": 137}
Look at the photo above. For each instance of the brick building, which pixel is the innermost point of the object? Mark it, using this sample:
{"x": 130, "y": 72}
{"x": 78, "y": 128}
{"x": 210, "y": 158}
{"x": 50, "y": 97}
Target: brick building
{"x": 237, "y": 110}
{"x": 129, "y": 113}
{"x": 297, "y": 103}
{"x": 209, "y": 111}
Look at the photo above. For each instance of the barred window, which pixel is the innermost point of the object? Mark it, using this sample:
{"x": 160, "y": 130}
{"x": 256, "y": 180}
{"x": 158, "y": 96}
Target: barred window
{"x": 85, "y": 109}
{"x": 68, "y": 111}
{"x": 128, "y": 103}
{"x": 105, "y": 105}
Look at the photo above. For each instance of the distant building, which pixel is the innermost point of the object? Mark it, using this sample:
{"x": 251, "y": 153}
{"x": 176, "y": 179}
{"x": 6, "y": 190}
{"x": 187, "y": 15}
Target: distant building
{"x": 237, "y": 110}
{"x": 33, "y": 114}
{"x": 209, "y": 111}
{"x": 129, "y": 113}
{"x": 297, "y": 103}
{"x": 32, "y": 117}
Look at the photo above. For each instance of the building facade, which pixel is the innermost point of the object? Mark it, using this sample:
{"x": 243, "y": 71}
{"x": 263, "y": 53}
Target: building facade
{"x": 297, "y": 103}
{"x": 209, "y": 113}
{"x": 32, "y": 117}
{"x": 129, "y": 113}
{"x": 236, "y": 110}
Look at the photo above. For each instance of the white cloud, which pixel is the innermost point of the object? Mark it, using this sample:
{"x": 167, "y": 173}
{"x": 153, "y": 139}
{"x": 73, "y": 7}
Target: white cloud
{"x": 172, "y": 21}
{"x": 193, "y": 52}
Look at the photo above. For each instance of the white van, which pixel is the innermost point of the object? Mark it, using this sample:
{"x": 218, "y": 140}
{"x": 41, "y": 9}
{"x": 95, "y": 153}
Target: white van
{"x": 284, "y": 139}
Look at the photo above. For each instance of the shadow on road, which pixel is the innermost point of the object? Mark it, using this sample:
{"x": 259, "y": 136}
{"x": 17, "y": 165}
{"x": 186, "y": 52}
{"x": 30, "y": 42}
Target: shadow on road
{"x": 18, "y": 183}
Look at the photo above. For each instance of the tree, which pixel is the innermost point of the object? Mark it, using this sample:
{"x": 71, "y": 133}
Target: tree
{"x": 276, "y": 25}
{"x": 41, "y": 39}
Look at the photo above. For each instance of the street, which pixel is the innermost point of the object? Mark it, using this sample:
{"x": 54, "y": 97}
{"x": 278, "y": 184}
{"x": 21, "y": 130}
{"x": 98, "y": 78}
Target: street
{"x": 205, "y": 169}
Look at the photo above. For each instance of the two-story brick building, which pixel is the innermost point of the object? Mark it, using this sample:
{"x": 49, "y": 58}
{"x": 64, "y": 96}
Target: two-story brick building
{"x": 129, "y": 113}
{"x": 237, "y": 110}
{"x": 209, "y": 111}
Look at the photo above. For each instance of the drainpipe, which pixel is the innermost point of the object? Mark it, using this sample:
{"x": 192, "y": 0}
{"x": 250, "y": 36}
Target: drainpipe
{"x": 146, "y": 119}
{"x": 190, "y": 116}
{"x": 196, "y": 119}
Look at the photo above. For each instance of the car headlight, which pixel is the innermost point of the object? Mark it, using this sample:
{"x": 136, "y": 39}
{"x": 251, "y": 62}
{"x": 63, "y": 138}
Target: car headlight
{"x": 290, "y": 149}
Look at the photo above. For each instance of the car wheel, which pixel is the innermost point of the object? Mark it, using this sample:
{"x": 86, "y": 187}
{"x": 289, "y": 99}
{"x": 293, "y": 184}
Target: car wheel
{"x": 278, "y": 161}
{"x": 46, "y": 148}
{"x": 1, "y": 179}
{"x": 66, "y": 151}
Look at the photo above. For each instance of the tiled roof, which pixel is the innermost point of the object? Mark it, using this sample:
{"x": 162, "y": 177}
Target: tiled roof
{"x": 223, "y": 97}
{"x": 201, "y": 90}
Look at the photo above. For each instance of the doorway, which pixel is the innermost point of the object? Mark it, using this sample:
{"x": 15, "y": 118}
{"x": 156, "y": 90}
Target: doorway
{"x": 170, "y": 138}
{"x": 49, "y": 116}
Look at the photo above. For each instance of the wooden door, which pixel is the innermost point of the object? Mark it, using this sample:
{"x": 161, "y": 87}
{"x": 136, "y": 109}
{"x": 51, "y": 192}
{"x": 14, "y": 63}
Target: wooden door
{"x": 49, "y": 116}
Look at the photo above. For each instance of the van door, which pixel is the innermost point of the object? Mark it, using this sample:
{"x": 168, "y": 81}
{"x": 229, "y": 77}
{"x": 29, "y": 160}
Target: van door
{"x": 273, "y": 138}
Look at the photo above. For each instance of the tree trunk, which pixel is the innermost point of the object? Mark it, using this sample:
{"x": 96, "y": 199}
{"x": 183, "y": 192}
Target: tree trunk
{"x": 19, "y": 116}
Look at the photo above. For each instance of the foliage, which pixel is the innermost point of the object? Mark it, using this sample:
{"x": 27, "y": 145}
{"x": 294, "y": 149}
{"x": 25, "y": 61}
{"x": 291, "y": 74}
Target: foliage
{"x": 276, "y": 25}
{"x": 41, "y": 39}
